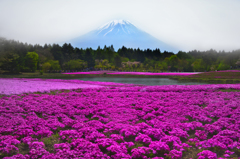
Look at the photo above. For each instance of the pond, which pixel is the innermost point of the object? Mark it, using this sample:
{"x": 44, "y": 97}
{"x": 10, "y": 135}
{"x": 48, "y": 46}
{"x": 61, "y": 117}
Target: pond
{"x": 144, "y": 81}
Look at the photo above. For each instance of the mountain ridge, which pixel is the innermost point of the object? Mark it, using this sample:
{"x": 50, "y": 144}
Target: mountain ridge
{"x": 120, "y": 33}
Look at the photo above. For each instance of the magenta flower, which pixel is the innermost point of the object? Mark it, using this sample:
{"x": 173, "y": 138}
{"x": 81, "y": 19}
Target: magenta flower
{"x": 207, "y": 154}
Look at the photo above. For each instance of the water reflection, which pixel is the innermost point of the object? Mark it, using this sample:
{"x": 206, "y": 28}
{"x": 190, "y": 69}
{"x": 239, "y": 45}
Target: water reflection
{"x": 144, "y": 81}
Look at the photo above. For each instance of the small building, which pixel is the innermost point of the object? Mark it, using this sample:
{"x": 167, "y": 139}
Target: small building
{"x": 238, "y": 63}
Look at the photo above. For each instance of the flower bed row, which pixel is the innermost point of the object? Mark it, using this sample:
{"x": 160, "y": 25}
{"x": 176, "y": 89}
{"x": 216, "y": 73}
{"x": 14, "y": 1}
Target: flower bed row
{"x": 197, "y": 121}
{"x": 155, "y": 74}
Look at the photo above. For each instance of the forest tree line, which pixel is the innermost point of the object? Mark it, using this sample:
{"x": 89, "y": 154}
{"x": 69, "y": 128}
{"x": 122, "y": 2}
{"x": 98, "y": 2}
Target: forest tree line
{"x": 18, "y": 57}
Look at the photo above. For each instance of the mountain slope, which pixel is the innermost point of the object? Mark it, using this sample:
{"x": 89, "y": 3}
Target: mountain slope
{"x": 119, "y": 33}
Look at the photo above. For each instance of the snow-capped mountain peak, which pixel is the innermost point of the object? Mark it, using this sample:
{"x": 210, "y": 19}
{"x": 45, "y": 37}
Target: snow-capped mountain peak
{"x": 113, "y": 23}
{"x": 119, "y": 27}
{"x": 119, "y": 33}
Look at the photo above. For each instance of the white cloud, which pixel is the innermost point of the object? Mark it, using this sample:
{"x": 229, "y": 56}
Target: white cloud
{"x": 186, "y": 24}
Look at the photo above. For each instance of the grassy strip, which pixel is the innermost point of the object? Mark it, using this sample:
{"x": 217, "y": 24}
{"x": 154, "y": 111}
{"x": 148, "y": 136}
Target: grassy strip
{"x": 217, "y": 75}
{"x": 212, "y": 77}
{"x": 207, "y": 80}
{"x": 229, "y": 90}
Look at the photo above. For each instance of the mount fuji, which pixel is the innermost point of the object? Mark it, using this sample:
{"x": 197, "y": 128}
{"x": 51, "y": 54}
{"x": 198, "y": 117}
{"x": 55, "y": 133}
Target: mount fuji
{"x": 120, "y": 33}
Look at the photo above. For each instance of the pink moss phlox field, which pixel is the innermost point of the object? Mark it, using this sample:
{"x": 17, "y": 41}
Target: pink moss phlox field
{"x": 19, "y": 86}
{"x": 88, "y": 73}
{"x": 137, "y": 73}
{"x": 155, "y": 74}
{"x": 123, "y": 122}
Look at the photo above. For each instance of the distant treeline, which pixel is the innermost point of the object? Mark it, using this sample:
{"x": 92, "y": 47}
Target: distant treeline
{"x": 22, "y": 57}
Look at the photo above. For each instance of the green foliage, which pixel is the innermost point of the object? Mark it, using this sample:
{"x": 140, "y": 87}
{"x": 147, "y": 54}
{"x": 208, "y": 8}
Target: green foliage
{"x": 16, "y": 57}
{"x": 10, "y": 62}
{"x": 125, "y": 59}
{"x": 191, "y": 143}
{"x": 118, "y": 61}
{"x": 150, "y": 155}
{"x": 230, "y": 90}
{"x": 103, "y": 64}
{"x": 56, "y": 51}
{"x": 109, "y": 53}
{"x": 69, "y": 141}
{"x": 183, "y": 55}
{"x": 173, "y": 62}
{"x": 75, "y": 64}
{"x": 136, "y": 145}
{"x": 95, "y": 118}
{"x": 46, "y": 66}
{"x": 140, "y": 121}
{"x": 47, "y": 141}
{"x": 31, "y": 60}
{"x": 89, "y": 57}
{"x": 54, "y": 65}
{"x": 223, "y": 66}
{"x": 198, "y": 65}
{"x": 56, "y": 135}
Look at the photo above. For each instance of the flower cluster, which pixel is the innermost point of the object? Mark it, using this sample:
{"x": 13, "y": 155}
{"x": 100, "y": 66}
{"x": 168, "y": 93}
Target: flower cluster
{"x": 207, "y": 154}
{"x": 8, "y": 144}
{"x": 201, "y": 134}
{"x": 143, "y": 138}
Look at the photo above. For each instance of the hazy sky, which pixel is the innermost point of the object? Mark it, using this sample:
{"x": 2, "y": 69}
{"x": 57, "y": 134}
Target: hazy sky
{"x": 185, "y": 24}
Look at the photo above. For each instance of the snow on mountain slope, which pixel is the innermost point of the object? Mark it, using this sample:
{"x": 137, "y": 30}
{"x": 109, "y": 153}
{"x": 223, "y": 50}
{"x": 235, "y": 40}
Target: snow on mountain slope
{"x": 120, "y": 33}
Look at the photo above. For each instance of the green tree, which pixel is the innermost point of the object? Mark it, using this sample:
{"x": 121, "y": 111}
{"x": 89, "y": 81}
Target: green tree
{"x": 75, "y": 64}
{"x": 46, "y": 66}
{"x": 54, "y": 65}
{"x": 124, "y": 59}
{"x": 103, "y": 64}
{"x": 223, "y": 66}
{"x": 198, "y": 65}
{"x": 161, "y": 66}
{"x": 89, "y": 57}
{"x": 10, "y": 63}
{"x": 183, "y": 55}
{"x": 118, "y": 61}
{"x": 31, "y": 61}
{"x": 110, "y": 54}
{"x": 67, "y": 51}
{"x": 56, "y": 51}
{"x": 173, "y": 62}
